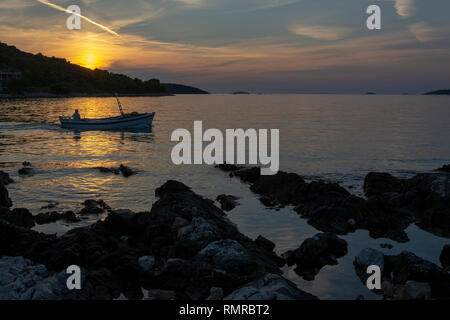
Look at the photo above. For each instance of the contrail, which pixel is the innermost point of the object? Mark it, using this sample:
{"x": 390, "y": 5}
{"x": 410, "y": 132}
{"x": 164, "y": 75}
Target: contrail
{"x": 57, "y": 7}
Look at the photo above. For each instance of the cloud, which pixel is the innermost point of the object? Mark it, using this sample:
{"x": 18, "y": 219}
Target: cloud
{"x": 193, "y": 3}
{"x": 405, "y": 8}
{"x": 57, "y": 7}
{"x": 320, "y": 32}
{"x": 426, "y": 33}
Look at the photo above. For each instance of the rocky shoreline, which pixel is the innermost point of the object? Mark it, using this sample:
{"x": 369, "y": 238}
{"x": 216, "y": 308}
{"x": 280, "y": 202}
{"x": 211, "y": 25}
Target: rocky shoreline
{"x": 184, "y": 248}
{"x": 187, "y": 248}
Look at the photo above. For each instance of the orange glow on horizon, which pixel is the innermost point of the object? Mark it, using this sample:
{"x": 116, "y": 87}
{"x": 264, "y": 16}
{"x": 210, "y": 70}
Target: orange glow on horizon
{"x": 90, "y": 60}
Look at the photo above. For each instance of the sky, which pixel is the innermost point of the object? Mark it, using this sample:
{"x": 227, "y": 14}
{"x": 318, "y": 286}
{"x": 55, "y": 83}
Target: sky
{"x": 260, "y": 46}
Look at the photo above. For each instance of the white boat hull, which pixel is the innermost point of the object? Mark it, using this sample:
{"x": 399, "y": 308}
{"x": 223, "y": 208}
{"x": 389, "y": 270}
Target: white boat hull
{"x": 136, "y": 121}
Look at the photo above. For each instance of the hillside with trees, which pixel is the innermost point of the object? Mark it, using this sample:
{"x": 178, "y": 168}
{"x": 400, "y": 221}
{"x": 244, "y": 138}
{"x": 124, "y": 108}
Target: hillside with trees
{"x": 58, "y": 76}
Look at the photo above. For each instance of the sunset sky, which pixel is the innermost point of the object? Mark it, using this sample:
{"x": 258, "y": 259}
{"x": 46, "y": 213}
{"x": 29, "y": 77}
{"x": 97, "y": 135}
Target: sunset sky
{"x": 272, "y": 46}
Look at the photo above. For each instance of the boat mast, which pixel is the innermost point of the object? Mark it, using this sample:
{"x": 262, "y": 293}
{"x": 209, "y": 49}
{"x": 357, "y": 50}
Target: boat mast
{"x": 119, "y": 104}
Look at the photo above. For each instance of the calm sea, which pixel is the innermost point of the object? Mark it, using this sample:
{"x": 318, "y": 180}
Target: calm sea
{"x": 337, "y": 138}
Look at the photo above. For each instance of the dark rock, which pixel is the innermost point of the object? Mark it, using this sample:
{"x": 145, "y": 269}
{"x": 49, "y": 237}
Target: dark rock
{"x": 228, "y": 255}
{"x": 126, "y": 171}
{"x": 445, "y": 168}
{"x": 265, "y": 243}
{"x": 316, "y": 252}
{"x": 5, "y": 179}
{"x": 227, "y": 202}
{"x": 283, "y": 188}
{"x": 377, "y": 183}
{"x": 26, "y": 171}
{"x": 20, "y": 217}
{"x": 94, "y": 207}
{"x": 445, "y": 257}
{"x": 5, "y": 201}
{"x": 108, "y": 170}
{"x": 369, "y": 257}
{"x": 405, "y": 276}
{"x": 193, "y": 246}
{"x": 227, "y": 167}
{"x": 248, "y": 174}
{"x": 19, "y": 241}
{"x": 171, "y": 187}
{"x": 392, "y": 206}
{"x": 51, "y": 205}
{"x": 26, "y": 164}
{"x": 49, "y": 217}
{"x": 270, "y": 287}
{"x": 386, "y": 246}
{"x": 161, "y": 295}
{"x": 408, "y": 267}
{"x": 33, "y": 282}
{"x": 215, "y": 294}
{"x": 70, "y": 216}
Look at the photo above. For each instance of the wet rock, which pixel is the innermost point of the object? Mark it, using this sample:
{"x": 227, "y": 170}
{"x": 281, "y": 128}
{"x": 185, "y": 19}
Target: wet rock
{"x": 195, "y": 236}
{"x": 146, "y": 262}
{"x": 265, "y": 243}
{"x": 417, "y": 290}
{"x": 161, "y": 295}
{"x": 26, "y": 171}
{"x": 171, "y": 187}
{"x": 369, "y": 257}
{"x": 316, "y": 252}
{"x": 47, "y": 217}
{"x": 5, "y": 179}
{"x": 406, "y": 276}
{"x": 392, "y": 206}
{"x": 247, "y": 174}
{"x": 51, "y": 205}
{"x": 20, "y": 217}
{"x": 215, "y": 294}
{"x": 21, "y": 279}
{"x": 108, "y": 170}
{"x": 19, "y": 241}
{"x": 203, "y": 250}
{"x": 5, "y": 201}
{"x": 94, "y": 207}
{"x": 70, "y": 216}
{"x": 283, "y": 188}
{"x": 270, "y": 287}
{"x": 50, "y": 217}
{"x": 377, "y": 183}
{"x": 227, "y": 202}
{"x": 386, "y": 246}
{"x": 228, "y": 255}
{"x": 444, "y": 168}
{"x": 445, "y": 257}
{"x": 126, "y": 171}
{"x": 227, "y": 167}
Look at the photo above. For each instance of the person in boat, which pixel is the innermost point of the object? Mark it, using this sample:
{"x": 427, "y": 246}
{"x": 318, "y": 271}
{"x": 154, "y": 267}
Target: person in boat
{"x": 76, "y": 115}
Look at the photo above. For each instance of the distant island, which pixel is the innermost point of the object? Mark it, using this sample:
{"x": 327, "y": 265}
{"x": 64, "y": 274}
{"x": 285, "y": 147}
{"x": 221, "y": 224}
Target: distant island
{"x": 370, "y": 93}
{"x": 438, "y": 92}
{"x": 28, "y": 74}
{"x": 241, "y": 92}
{"x": 174, "y": 88}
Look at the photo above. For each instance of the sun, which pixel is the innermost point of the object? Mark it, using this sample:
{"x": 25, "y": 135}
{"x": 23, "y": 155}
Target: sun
{"x": 90, "y": 61}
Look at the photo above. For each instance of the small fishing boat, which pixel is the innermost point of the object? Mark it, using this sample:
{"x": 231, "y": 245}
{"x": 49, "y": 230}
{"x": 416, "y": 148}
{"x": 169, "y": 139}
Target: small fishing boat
{"x": 132, "y": 120}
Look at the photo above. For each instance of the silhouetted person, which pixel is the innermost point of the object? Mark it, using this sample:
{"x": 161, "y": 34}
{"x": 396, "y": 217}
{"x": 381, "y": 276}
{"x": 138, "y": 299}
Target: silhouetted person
{"x": 76, "y": 115}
